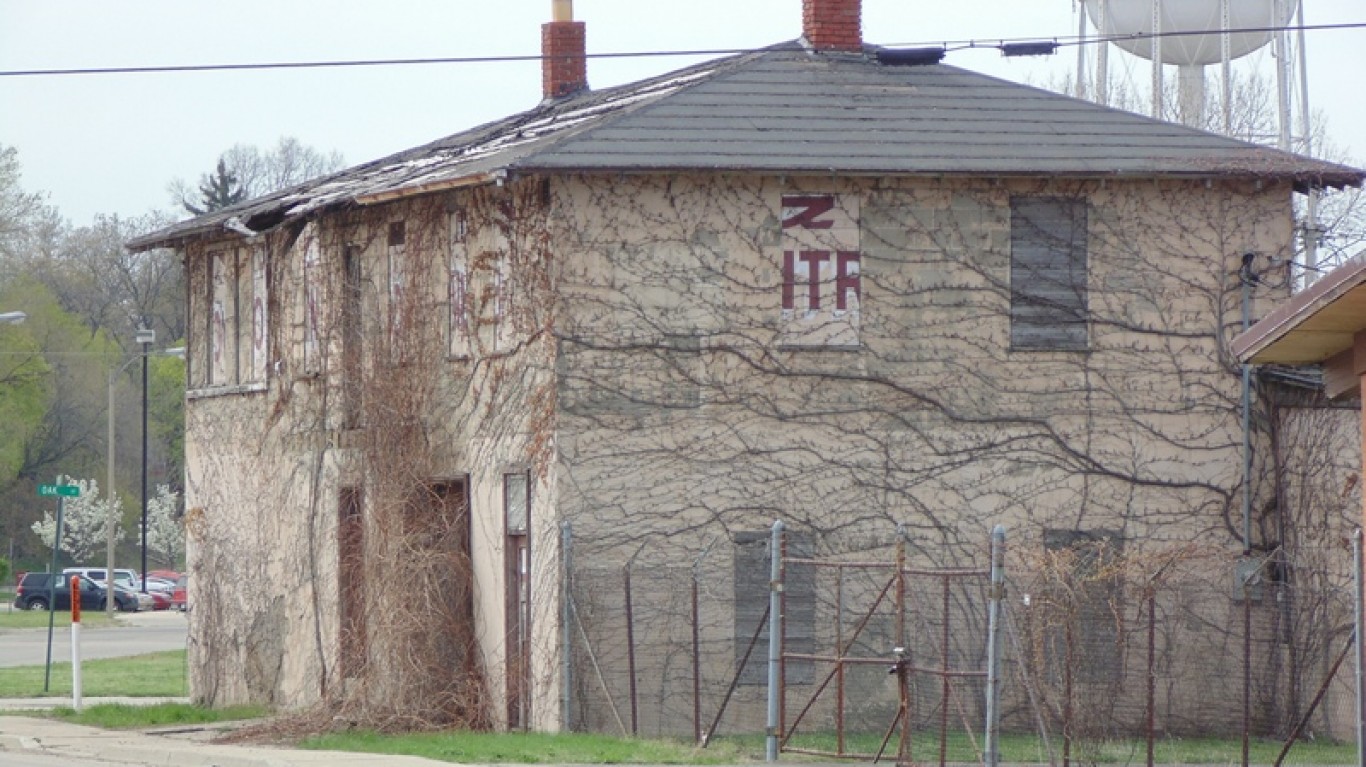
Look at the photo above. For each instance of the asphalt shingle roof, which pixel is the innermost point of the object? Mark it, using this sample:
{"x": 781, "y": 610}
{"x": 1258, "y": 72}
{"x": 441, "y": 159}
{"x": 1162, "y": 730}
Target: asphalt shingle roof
{"x": 784, "y": 109}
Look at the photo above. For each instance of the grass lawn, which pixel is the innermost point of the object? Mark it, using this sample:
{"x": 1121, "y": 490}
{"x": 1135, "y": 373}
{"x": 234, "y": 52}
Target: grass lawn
{"x": 140, "y": 676}
{"x": 530, "y": 748}
{"x": 1028, "y": 748}
{"x": 577, "y": 748}
{"x": 120, "y": 716}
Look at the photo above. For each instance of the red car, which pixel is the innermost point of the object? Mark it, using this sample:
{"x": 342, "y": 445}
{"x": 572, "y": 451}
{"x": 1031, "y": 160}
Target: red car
{"x": 179, "y": 599}
{"x": 160, "y": 600}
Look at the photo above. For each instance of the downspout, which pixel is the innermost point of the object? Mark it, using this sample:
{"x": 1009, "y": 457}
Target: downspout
{"x": 1247, "y": 278}
{"x": 566, "y": 621}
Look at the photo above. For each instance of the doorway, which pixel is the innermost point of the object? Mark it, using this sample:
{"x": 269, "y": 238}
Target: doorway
{"x": 517, "y": 557}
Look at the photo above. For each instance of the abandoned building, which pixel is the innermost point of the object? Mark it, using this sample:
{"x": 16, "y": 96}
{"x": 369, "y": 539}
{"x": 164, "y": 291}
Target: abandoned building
{"x": 824, "y": 281}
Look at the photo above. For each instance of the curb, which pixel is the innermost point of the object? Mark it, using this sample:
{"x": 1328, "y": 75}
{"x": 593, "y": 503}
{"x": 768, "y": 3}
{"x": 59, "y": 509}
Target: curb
{"x": 18, "y": 743}
{"x": 144, "y": 748}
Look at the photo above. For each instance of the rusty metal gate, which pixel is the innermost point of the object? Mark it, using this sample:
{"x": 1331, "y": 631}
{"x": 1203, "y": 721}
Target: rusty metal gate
{"x": 894, "y": 664}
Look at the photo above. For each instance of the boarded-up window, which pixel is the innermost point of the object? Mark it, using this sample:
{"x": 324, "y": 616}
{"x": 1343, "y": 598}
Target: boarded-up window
{"x": 197, "y": 329}
{"x": 229, "y": 305}
{"x": 752, "y": 570}
{"x": 458, "y": 288}
{"x": 241, "y": 329}
{"x": 352, "y": 337}
{"x": 398, "y": 279}
{"x": 313, "y": 306}
{"x": 259, "y": 314}
{"x": 1048, "y": 273}
{"x": 351, "y": 581}
{"x": 223, "y": 318}
{"x": 502, "y": 303}
{"x": 1091, "y": 604}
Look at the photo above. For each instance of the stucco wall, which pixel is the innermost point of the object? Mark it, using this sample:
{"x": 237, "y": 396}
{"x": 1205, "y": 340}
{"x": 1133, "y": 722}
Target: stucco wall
{"x": 931, "y": 419}
{"x": 693, "y": 406}
{"x": 653, "y": 384}
{"x": 266, "y": 462}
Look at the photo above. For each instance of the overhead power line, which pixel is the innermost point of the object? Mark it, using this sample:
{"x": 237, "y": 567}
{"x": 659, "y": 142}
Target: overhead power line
{"x": 350, "y": 63}
{"x": 1011, "y": 46}
{"x": 1075, "y": 40}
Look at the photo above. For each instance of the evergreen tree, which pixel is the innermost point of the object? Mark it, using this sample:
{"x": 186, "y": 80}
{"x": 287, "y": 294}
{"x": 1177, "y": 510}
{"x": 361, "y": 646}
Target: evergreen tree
{"x": 217, "y": 191}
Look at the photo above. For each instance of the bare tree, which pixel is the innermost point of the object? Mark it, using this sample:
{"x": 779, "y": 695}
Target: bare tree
{"x": 25, "y": 217}
{"x": 246, "y": 171}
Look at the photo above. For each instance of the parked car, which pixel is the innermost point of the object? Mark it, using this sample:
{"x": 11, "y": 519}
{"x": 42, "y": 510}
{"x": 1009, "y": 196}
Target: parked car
{"x": 155, "y": 583}
{"x": 144, "y": 599}
{"x": 180, "y": 597}
{"x": 161, "y": 600}
{"x": 38, "y": 591}
{"x": 123, "y": 577}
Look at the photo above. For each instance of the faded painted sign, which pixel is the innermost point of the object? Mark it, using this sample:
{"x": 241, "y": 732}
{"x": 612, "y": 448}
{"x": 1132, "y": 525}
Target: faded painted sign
{"x": 821, "y": 261}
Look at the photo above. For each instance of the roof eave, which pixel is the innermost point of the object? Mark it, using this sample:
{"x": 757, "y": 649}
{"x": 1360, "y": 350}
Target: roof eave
{"x": 1257, "y": 344}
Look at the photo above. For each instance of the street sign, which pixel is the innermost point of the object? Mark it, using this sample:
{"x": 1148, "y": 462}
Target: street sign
{"x": 70, "y": 491}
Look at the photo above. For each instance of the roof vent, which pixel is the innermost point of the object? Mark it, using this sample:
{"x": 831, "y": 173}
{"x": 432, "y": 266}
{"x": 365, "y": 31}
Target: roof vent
{"x": 564, "y": 67}
{"x": 1035, "y": 48}
{"x": 833, "y": 25}
{"x": 909, "y": 57}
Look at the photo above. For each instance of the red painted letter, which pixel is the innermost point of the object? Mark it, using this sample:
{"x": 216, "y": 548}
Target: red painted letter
{"x": 846, "y": 279}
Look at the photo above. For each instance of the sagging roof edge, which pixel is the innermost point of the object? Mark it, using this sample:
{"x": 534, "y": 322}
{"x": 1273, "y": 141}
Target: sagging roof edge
{"x": 212, "y": 231}
{"x": 1302, "y": 183}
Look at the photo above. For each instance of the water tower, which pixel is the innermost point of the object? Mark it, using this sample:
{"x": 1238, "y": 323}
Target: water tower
{"x": 1189, "y": 34}
{"x": 1186, "y": 34}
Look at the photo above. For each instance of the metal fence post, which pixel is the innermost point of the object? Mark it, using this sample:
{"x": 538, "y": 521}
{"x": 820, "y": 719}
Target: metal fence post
{"x": 998, "y": 582}
{"x": 775, "y": 637}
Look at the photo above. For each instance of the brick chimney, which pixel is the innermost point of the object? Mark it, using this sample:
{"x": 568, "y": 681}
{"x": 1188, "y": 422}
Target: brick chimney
{"x": 833, "y": 25}
{"x": 564, "y": 68}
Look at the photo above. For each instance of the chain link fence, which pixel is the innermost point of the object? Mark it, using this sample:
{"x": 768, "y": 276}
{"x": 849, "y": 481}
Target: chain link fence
{"x": 1102, "y": 648}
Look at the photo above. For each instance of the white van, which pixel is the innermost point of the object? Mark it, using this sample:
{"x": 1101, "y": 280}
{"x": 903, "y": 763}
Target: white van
{"x": 123, "y": 578}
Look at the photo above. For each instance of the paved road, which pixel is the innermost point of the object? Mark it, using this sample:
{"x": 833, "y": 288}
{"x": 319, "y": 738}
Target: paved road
{"x": 136, "y": 634}
{"x": 20, "y": 759}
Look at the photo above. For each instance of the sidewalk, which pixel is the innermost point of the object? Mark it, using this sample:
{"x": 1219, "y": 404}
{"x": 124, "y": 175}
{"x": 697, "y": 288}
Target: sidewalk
{"x": 178, "y": 746}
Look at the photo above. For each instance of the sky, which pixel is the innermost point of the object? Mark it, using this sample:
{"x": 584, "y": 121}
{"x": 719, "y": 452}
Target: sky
{"x": 112, "y": 143}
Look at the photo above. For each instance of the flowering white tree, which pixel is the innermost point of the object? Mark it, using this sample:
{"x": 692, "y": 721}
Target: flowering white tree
{"x": 165, "y": 533}
{"x": 85, "y": 521}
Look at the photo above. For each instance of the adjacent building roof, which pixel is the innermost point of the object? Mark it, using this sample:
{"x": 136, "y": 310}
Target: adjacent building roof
{"x": 787, "y": 110}
{"x": 1315, "y": 325}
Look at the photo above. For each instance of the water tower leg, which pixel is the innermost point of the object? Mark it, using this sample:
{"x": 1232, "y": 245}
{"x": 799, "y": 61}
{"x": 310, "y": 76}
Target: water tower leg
{"x": 1226, "y": 69}
{"x": 1191, "y": 94}
{"x": 1156, "y": 30}
{"x": 1081, "y": 89}
{"x": 1103, "y": 62}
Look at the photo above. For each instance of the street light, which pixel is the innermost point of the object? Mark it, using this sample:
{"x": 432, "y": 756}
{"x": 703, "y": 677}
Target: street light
{"x": 144, "y": 337}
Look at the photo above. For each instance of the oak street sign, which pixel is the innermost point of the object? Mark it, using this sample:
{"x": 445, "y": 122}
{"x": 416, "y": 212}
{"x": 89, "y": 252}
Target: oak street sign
{"x": 71, "y": 491}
